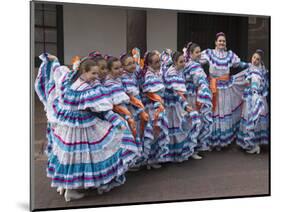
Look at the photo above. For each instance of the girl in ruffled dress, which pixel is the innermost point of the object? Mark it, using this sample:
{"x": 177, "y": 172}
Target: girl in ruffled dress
{"x": 135, "y": 105}
{"x": 183, "y": 140}
{"x": 198, "y": 94}
{"x": 156, "y": 140}
{"x": 254, "y": 124}
{"x": 91, "y": 146}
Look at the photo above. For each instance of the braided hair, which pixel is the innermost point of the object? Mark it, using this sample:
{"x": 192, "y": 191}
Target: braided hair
{"x": 190, "y": 47}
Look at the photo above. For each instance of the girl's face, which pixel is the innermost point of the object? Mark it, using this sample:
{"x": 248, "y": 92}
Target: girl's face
{"x": 155, "y": 63}
{"x": 92, "y": 74}
{"x": 180, "y": 63}
{"x": 256, "y": 59}
{"x": 116, "y": 69}
{"x": 103, "y": 69}
{"x": 196, "y": 54}
{"x": 220, "y": 42}
{"x": 129, "y": 65}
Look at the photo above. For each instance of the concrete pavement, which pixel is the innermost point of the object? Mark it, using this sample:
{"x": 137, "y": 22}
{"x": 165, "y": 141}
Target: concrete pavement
{"x": 230, "y": 172}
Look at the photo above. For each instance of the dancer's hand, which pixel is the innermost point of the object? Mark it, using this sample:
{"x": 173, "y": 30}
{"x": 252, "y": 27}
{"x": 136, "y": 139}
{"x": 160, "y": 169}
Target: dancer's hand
{"x": 144, "y": 116}
{"x": 198, "y": 105}
{"x": 133, "y": 127}
{"x": 161, "y": 108}
{"x": 136, "y": 102}
{"x": 132, "y": 123}
{"x": 188, "y": 109}
{"x": 52, "y": 57}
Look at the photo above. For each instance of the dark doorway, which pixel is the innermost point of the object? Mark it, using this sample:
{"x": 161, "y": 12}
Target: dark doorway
{"x": 136, "y": 30}
{"x": 202, "y": 28}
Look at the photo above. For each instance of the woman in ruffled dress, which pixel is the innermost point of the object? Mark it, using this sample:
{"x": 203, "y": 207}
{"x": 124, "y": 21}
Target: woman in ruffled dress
{"x": 226, "y": 91}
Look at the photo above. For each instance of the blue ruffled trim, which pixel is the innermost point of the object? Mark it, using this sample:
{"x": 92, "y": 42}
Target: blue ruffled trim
{"x": 152, "y": 84}
{"x": 155, "y": 150}
{"x": 113, "y": 118}
{"x": 78, "y": 118}
{"x": 174, "y": 82}
{"x": 180, "y": 150}
{"x": 204, "y": 95}
{"x": 85, "y": 175}
{"x": 117, "y": 93}
{"x": 223, "y": 138}
{"x": 249, "y": 139}
{"x": 95, "y": 98}
{"x": 130, "y": 85}
{"x": 170, "y": 97}
{"x": 44, "y": 81}
{"x": 220, "y": 61}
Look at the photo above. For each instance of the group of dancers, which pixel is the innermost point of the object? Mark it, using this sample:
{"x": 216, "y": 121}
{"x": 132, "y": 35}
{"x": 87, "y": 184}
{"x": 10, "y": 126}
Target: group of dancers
{"x": 109, "y": 115}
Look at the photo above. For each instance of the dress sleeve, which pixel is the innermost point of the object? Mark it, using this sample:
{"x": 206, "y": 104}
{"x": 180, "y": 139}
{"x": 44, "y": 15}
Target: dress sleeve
{"x": 204, "y": 94}
{"x": 94, "y": 98}
{"x": 256, "y": 104}
{"x": 236, "y": 62}
{"x": 45, "y": 77}
{"x": 177, "y": 84}
{"x": 205, "y": 57}
{"x": 117, "y": 94}
{"x": 130, "y": 86}
{"x": 152, "y": 84}
{"x": 113, "y": 118}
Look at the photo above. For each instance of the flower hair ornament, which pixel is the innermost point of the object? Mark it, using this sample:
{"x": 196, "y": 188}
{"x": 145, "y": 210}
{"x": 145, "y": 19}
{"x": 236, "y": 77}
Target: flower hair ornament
{"x": 107, "y": 56}
{"x": 94, "y": 54}
{"x": 136, "y": 55}
{"x": 75, "y": 61}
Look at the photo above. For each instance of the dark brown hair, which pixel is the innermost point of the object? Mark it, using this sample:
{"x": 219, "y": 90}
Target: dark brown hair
{"x": 176, "y": 56}
{"x": 260, "y": 53}
{"x": 220, "y": 34}
{"x": 124, "y": 57}
{"x": 110, "y": 62}
{"x": 192, "y": 47}
{"x": 86, "y": 65}
{"x": 148, "y": 58}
